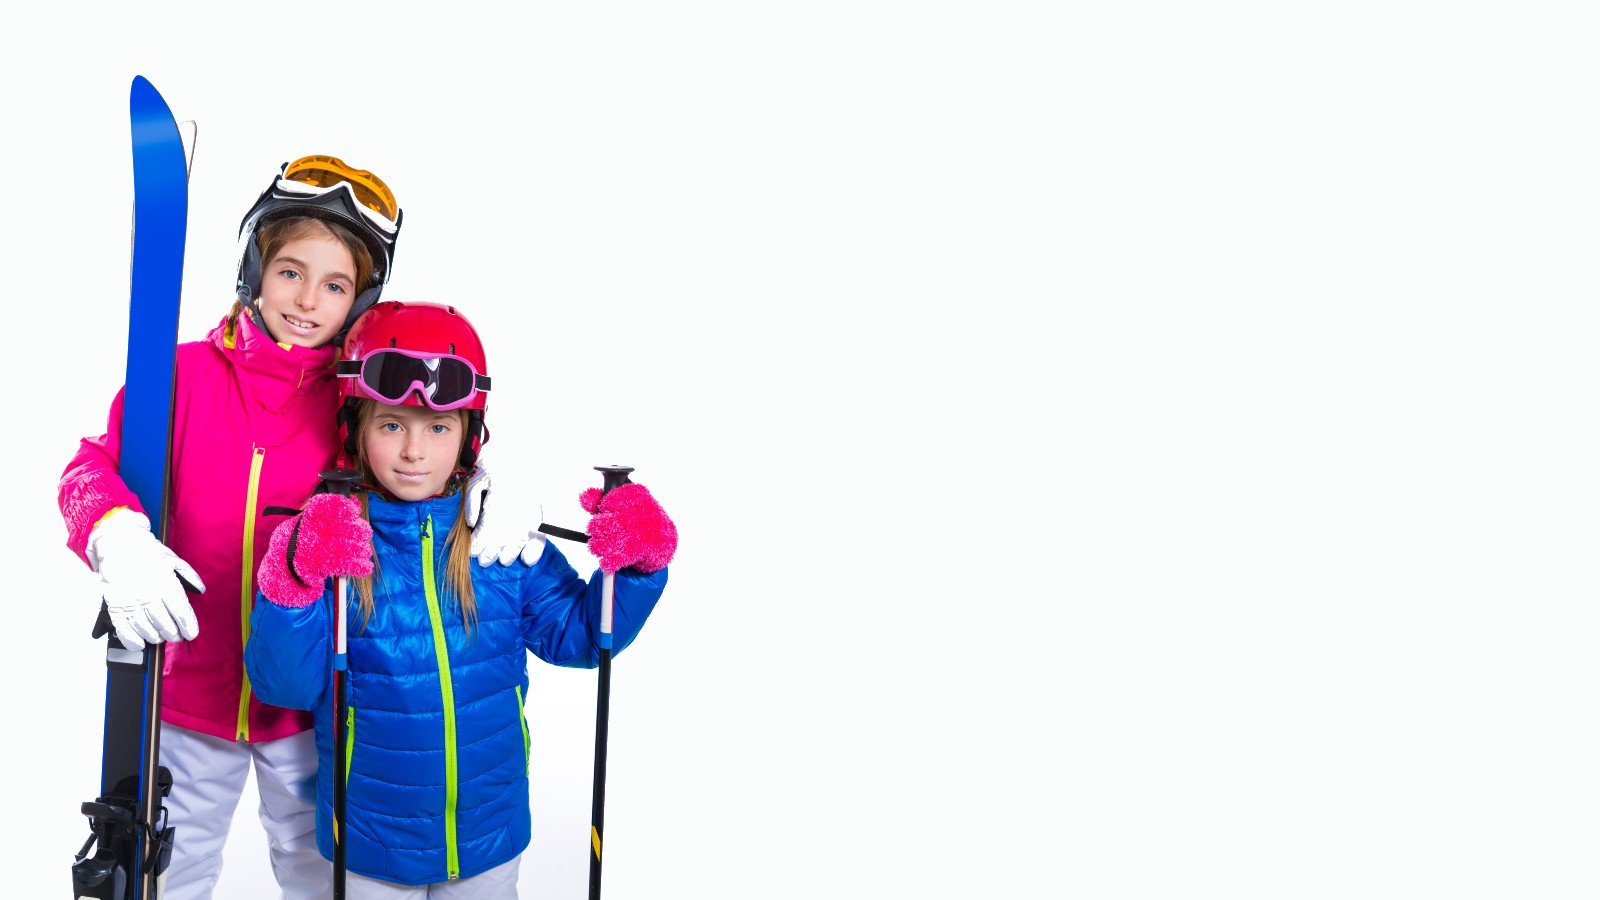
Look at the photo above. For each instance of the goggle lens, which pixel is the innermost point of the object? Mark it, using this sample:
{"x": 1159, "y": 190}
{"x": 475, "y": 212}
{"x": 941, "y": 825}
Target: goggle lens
{"x": 445, "y": 382}
{"x": 327, "y": 171}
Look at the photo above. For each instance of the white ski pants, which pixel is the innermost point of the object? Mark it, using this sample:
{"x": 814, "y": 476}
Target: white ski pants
{"x": 499, "y": 883}
{"x": 208, "y": 776}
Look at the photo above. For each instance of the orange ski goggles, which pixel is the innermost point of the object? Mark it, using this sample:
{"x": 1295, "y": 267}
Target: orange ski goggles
{"x": 328, "y": 171}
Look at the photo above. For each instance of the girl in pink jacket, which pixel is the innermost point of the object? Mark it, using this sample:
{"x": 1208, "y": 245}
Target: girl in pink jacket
{"x": 252, "y": 403}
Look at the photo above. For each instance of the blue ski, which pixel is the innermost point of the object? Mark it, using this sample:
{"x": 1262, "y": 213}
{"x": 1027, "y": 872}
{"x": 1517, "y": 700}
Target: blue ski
{"x": 127, "y": 820}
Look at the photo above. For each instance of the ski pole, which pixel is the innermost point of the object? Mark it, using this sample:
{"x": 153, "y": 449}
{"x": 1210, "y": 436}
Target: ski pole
{"x": 339, "y": 482}
{"x": 615, "y": 476}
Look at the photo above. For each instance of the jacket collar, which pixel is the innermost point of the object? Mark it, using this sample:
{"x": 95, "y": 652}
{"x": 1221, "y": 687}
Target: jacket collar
{"x": 275, "y": 372}
{"x": 442, "y": 509}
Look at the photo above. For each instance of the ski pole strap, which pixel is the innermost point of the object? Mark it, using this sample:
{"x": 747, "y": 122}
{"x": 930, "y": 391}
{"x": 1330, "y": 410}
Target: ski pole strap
{"x": 294, "y": 544}
{"x": 564, "y": 533}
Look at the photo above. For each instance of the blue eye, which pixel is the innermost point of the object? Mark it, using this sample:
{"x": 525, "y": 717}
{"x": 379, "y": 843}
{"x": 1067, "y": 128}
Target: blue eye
{"x": 390, "y": 427}
{"x": 290, "y": 274}
{"x": 336, "y": 288}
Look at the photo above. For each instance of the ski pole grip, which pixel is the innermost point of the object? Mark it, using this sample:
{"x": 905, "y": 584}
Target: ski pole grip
{"x": 340, "y": 481}
{"x": 615, "y": 476}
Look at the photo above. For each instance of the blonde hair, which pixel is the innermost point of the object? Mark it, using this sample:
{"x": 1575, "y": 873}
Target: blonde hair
{"x": 457, "y": 581}
{"x": 273, "y": 236}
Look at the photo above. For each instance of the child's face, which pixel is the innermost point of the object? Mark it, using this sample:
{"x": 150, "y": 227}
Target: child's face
{"x": 307, "y": 290}
{"x": 412, "y": 449}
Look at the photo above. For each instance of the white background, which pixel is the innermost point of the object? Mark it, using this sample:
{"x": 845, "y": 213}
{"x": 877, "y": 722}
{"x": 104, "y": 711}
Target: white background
{"x": 1136, "y": 450}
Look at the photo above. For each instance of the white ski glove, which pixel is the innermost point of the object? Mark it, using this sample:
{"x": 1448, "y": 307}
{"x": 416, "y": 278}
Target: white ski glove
{"x": 144, "y": 581}
{"x": 492, "y": 542}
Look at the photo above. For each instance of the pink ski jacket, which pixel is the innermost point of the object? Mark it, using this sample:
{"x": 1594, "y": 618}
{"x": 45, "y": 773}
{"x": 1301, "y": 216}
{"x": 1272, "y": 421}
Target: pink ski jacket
{"x": 253, "y": 424}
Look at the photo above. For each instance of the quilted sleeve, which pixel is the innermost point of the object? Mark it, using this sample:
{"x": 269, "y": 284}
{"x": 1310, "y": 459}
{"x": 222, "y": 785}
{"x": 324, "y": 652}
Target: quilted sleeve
{"x": 290, "y": 652}
{"x": 91, "y": 487}
{"x": 561, "y": 612}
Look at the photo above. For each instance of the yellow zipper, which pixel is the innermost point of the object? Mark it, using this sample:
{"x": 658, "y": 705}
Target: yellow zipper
{"x": 247, "y": 588}
{"x": 522, "y": 719}
{"x": 349, "y": 744}
{"x": 349, "y": 741}
{"x": 447, "y": 689}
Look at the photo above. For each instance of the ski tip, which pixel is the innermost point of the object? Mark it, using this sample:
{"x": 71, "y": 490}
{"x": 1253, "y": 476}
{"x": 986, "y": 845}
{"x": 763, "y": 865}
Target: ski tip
{"x": 143, "y": 90}
{"x": 147, "y": 107}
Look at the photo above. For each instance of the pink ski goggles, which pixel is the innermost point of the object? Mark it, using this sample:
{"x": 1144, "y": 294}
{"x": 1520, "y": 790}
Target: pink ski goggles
{"x": 390, "y": 375}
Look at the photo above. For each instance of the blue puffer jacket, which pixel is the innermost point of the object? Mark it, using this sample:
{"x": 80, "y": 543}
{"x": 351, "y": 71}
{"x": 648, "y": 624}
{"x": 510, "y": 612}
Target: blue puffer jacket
{"x": 437, "y": 785}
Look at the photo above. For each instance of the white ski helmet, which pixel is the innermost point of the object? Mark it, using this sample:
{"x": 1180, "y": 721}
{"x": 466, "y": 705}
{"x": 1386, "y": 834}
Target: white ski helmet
{"x": 323, "y": 187}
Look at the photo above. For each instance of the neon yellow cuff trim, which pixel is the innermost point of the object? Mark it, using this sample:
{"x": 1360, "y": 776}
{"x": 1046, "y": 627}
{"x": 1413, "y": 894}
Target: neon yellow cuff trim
{"x": 106, "y": 516}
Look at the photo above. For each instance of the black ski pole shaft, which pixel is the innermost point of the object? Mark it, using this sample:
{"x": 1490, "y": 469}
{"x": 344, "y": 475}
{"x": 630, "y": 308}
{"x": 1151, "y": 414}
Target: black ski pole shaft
{"x": 339, "y": 481}
{"x": 614, "y": 476}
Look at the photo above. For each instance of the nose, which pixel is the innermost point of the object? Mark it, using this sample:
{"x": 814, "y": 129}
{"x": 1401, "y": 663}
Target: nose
{"x": 306, "y": 297}
{"x": 412, "y": 449}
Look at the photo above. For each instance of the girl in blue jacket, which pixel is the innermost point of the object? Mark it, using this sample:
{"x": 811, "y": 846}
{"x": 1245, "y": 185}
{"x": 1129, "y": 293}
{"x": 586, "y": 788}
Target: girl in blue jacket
{"x": 436, "y": 743}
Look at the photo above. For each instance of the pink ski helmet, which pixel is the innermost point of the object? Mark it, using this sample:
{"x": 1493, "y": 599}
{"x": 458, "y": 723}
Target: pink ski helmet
{"x": 414, "y": 354}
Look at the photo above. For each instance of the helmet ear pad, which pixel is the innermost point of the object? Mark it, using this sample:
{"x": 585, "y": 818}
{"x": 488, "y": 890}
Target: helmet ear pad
{"x": 345, "y": 419}
{"x": 249, "y": 286}
{"x": 477, "y": 436}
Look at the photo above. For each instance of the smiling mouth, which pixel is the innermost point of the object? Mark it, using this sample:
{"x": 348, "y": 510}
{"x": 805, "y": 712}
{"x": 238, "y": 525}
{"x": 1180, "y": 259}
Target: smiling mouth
{"x": 300, "y": 323}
